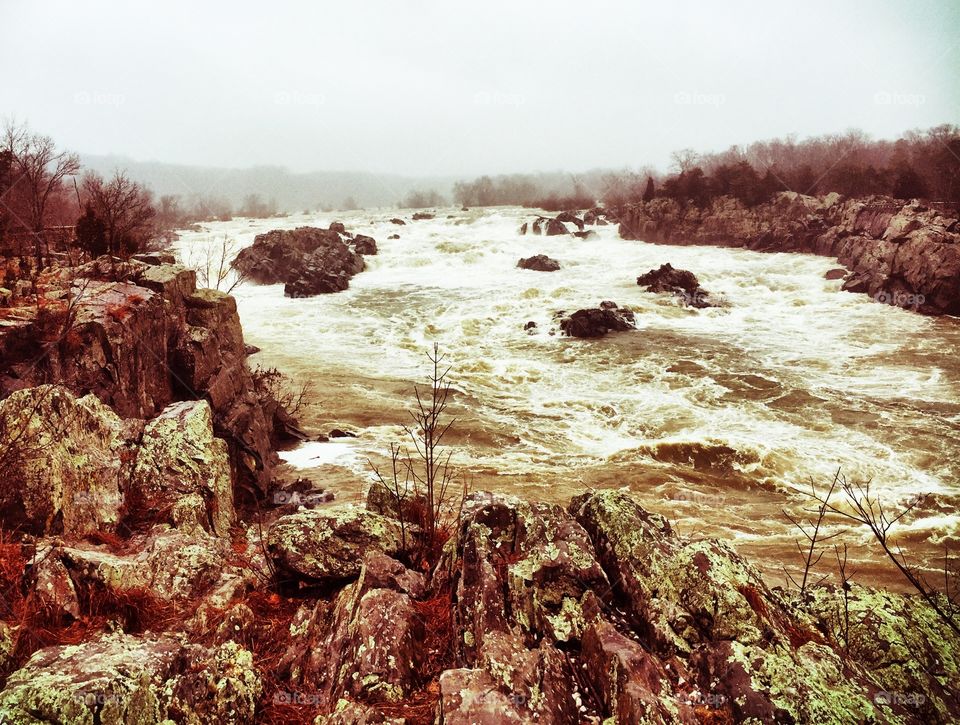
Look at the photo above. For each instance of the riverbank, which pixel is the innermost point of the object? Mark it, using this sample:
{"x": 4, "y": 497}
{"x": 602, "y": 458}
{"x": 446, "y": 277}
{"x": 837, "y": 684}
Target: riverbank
{"x": 142, "y": 588}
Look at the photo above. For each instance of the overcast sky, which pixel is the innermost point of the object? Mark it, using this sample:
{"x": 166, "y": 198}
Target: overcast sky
{"x": 439, "y": 87}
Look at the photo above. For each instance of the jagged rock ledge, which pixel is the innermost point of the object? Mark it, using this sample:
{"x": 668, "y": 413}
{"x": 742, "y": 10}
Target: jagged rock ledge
{"x": 597, "y": 612}
{"x": 139, "y": 336}
{"x": 900, "y": 253}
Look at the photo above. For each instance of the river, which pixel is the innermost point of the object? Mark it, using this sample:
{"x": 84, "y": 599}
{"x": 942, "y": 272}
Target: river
{"x": 711, "y": 417}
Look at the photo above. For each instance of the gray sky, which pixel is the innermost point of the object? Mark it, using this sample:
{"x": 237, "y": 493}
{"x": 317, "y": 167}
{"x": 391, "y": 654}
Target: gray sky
{"x": 425, "y": 87}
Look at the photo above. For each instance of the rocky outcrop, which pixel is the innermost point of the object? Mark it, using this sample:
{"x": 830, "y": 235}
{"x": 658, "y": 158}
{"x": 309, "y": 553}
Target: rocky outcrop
{"x": 549, "y": 227}
{"x": 597, "y": 612}
{"x": 680, "y": 282}
{"x": 74, "y": 467}
{"x": 539, "y": 263}
{"x": 597, "y": 322}
{"x": 139, "y": 337}
{"x": 117, "y": 679}
{"x": 900, "y": 253}
{"x": 307, "y": 261}
{"x": 328, "y": 545}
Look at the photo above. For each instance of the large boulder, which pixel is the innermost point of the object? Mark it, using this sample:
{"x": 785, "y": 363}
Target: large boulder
{"x": 64, "y": 460}
{"x": 328, "y": 545}
{"x": 307, "y": 260}
{"x": 167, "y": 564}
{"x": 539, "y": 263}
{"x": 179, "y": 457}
{"x": 118, "y": 679}
{"x": 366, "y": 644}
{"x": 598, "y": 322}
{"x": 743, "y": 643}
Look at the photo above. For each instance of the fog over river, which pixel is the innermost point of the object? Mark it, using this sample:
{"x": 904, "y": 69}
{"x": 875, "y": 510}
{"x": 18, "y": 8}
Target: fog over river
{"x": 708, "y": 416}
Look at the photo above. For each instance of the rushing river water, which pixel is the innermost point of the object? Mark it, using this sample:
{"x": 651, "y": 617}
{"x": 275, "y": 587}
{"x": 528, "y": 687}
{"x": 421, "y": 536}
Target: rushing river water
{"x": 707, "y": 415}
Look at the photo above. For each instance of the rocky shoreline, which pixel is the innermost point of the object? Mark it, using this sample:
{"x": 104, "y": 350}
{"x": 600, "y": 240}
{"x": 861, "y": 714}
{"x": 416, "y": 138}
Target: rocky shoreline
{"x": 151, "y": 574}
{"x": 900, "y": 253}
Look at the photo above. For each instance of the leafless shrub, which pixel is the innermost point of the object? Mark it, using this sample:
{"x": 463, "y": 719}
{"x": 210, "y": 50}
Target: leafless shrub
{"x": 842, "y": 634}
{"x": 281, "y": 389}
{"x": 211, "y": 261}
{"x": 422, "y": 483}
{"x": 866, "y": 508}
{"x": 810, "y": 552}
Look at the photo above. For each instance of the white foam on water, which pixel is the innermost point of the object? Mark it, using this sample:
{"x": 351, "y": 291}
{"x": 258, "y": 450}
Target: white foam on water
{"x": 881, "y": 385}
{"x": 312, "y": 454}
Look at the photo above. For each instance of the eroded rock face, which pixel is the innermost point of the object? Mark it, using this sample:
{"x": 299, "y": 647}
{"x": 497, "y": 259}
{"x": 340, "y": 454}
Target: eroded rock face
{"x": 139, "y": 344}
{"x": 745, "y": 647}
{"x": 329, "y": 544}
{"x": 900, "y": 253}
{"x": 539, "y": 263}
{"x": 633, "y": 684}
{"x": 598, "y": 322}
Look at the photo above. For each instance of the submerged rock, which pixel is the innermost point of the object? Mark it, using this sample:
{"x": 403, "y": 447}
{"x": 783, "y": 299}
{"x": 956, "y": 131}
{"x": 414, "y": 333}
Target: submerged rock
{"x": 598, "y": 322}
{"x": 680, "y": 282}
{"x": 539, "y": 263}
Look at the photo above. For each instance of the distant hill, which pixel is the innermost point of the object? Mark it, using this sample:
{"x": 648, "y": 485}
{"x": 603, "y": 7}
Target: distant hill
{"x": 292, "y": 191}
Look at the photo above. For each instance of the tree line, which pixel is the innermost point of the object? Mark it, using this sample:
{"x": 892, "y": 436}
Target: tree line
{"x": 918, "y": 165}
{"x": 922, "y": 164}
{"x": 47, "y": 199}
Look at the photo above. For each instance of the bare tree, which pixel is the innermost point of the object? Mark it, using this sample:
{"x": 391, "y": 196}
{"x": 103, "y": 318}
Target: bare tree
{"x": 38, "y": 170}
{"x": 684, "y": 160}
{"x": 126, "y": 209}
{"x": 428, "y": 476}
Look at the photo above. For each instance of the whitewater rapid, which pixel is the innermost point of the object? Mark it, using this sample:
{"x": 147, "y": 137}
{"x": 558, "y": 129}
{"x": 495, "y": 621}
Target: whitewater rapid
{"x": 791, "y": 378}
